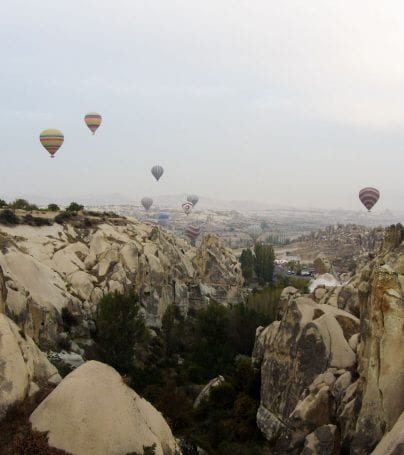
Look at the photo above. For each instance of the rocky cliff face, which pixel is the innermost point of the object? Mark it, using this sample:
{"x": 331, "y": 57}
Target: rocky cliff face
{"x": 45, "y": 269}
{"x": 23, "y": 367}
{"x": 330, "y": 379}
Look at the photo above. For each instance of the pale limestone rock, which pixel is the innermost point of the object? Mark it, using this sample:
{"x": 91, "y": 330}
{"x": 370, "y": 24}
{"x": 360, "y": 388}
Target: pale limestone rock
{"x": 392, "y": 443}
{"x": 93, "y": 412}
{"x": 23, "y": 367}
{"x": 83, "y": 284}
{"x": 205, "y": 392}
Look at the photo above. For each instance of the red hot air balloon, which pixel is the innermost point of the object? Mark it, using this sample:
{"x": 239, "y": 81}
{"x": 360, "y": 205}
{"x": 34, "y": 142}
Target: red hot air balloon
{"x": 369, "y": 196}
{"x": 187, "y": 207}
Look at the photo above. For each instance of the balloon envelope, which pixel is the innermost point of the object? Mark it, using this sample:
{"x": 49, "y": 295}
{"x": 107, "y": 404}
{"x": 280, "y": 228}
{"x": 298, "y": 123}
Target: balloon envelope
{"x": 369, "y": 196}
{"x": 193, "y": 199}
{"x": 192, "y": 232}
{"x": 163, "y": 218}
{"x": 147, "y": 202}
{"x": 157, "y": 172}
{"x": 187, "y": 207}
{"x": 254, "y": 231}
{"x": 93, "y": 121}
{"x": 51, "y": 139}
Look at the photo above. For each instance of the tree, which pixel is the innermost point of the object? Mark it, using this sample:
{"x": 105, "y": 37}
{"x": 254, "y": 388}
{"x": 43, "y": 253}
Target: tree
{"x": 53, "y": 208}
{"x": 120, "y": 326}
{"x": 74, "y": 207}
{"x": 264, "y": 262}
{"x": 247, "y": 264}
{"x": 23, "y": 204}
{"x": 3, "y": 203}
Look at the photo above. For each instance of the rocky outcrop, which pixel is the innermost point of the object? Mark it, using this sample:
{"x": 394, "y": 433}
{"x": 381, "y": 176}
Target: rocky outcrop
{"x": 322, "y": 264}
{"x": 23, "y": 367}
{"x": 52, "y": 267}
{"x": 393, "y": 442}
{"x": 93, "y": 412}
{"x": 205, "y": 392}
{"x": 310, "y": 339}
{"x": 360, "y": 389}
{"x": 3, "y": 292}
{"x": 323, "y": 441}
{"x": 381, "y": 360}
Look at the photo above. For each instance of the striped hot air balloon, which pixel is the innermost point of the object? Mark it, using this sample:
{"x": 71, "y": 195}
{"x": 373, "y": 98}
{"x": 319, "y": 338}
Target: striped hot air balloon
{"x": 187, "y": 207}
{"x": 93, "y": 121}
{"x": 147, "y": 202}
{"x": 51, "y": 139}
{"x": 192, "y": 232}
{"x": 157, "y": 171}
{"x": 369, "y": 196}
{"x": 193, "y": 199}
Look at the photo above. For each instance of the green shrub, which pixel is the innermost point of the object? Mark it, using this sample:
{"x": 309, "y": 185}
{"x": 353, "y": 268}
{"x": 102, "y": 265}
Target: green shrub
{"x": 22, "y": 204}
{"x": 53, "y": 208}
{"x": 3, "y": 203}
{"x": 74, "y": 207}
{"x": 120, "y": 326}
{"x": 35, "y": 220}
{"x": 8, "y": 217}
{"x": 62, "y": 217}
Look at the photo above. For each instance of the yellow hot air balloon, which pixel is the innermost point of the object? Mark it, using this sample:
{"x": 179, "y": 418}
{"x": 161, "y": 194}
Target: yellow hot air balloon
{"x": 51, "y": 139}
{"x": 93, "y": 121}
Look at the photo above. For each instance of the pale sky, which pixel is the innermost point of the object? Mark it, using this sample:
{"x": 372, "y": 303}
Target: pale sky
{"x": 279, "y": 101}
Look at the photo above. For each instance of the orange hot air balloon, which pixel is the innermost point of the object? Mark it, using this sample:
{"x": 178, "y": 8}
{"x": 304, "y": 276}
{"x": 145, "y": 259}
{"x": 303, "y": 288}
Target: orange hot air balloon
{"x": 93, "y": 121}
{"x": 51, "y": 139}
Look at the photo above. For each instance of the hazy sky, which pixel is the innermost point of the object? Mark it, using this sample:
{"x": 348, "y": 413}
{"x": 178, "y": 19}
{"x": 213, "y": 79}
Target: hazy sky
{"x": 281, "y": 101}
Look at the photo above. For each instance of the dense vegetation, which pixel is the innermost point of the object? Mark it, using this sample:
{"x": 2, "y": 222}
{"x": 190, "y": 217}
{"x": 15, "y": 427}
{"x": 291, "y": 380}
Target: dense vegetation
{"x": 258, "y": 265}
{"x": 169, "y": 367}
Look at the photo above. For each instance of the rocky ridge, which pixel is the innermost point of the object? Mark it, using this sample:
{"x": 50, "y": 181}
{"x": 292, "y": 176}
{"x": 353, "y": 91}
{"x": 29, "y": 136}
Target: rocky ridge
{"x": 46, "y": 269}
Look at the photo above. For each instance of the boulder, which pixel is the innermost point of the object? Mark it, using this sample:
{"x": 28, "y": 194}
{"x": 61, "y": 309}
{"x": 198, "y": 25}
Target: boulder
{"x": 307, "y": 342}
{"x": 323, "y": 441}
{"x": 93, "y": 412}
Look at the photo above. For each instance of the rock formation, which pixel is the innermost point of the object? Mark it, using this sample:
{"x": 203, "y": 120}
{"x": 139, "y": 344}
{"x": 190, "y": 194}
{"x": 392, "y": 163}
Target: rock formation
{"x": 330, "y": 379}
{"x": 45, "y": 269}
{"x": 294, "y": 353}
{"x": 93, "y": 412}
{"x": 23, "y": 367}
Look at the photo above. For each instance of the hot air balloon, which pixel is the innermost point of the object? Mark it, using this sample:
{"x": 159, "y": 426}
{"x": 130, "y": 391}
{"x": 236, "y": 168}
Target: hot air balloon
{"x": 163, "y": 218}
{"x": 187, "y": 207}
{"x": 157, "y": 172}
{"x": 51, "y": 139}
{"x": 192, "y": 232}
{"x": 369, "y": 196}
{"x": 147, "y": 202}
{"x": 193, "y": 199}
{"x": 254, "y": 231}
{"x": 93, "y": 121}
